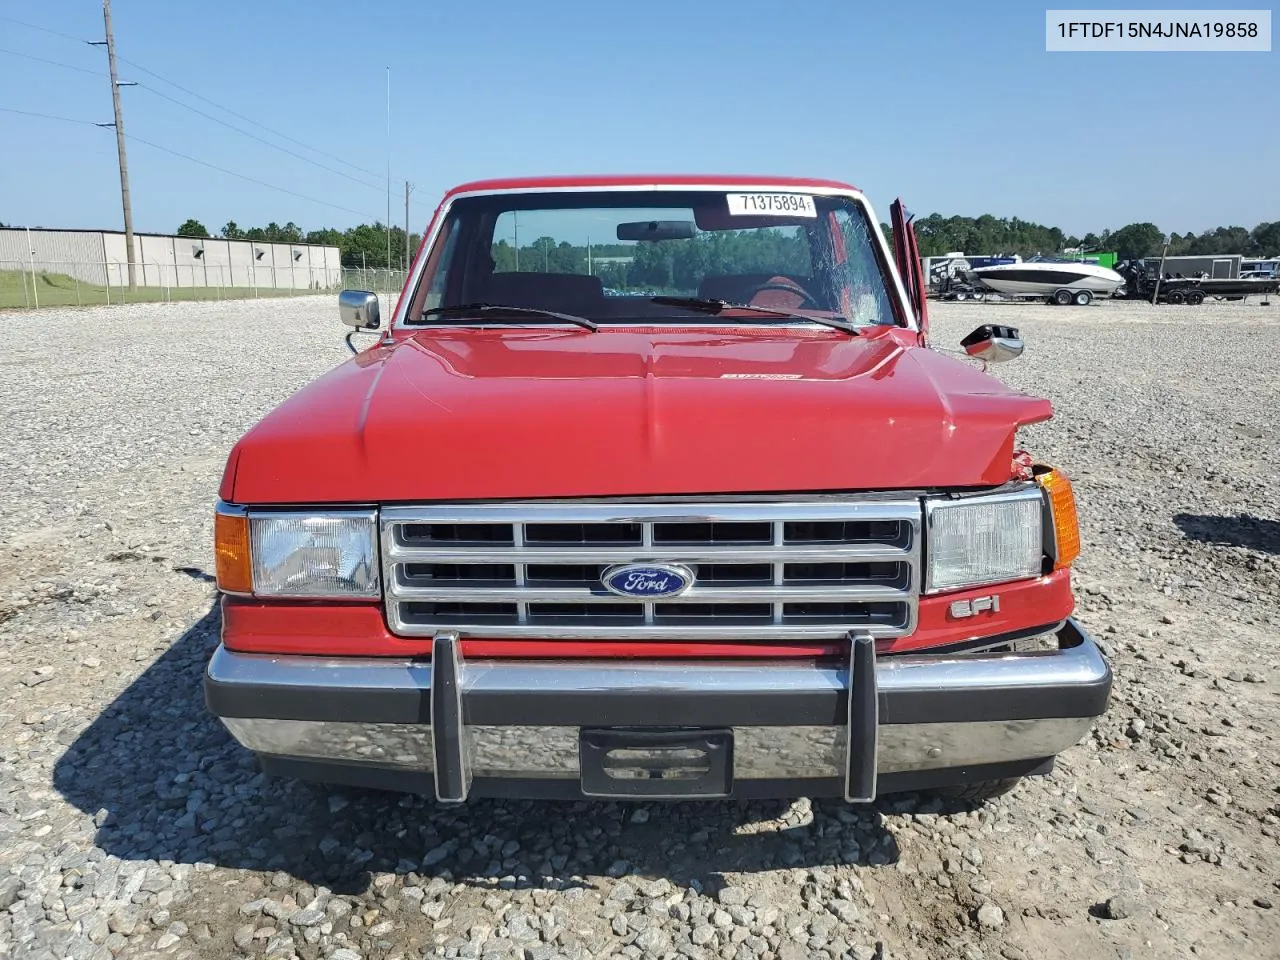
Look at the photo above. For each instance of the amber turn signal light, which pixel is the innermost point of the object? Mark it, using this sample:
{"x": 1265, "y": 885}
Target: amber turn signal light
{"x": 231, "y": 552}
{"x": 1066, "y": 525}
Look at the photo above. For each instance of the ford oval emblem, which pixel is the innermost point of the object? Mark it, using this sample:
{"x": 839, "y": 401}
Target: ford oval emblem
{"x": 647, "y": 581}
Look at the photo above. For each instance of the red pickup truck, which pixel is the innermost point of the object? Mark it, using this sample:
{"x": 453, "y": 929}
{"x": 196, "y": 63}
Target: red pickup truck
{"x": 653, "y": 487}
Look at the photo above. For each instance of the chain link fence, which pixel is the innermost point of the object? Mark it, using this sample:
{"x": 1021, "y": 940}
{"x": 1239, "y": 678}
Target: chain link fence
{"x": 78, "y": 283}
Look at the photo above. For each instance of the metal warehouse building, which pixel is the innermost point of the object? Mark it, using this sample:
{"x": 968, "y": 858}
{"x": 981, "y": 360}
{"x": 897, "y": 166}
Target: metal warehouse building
{"x": 99, "y": 257}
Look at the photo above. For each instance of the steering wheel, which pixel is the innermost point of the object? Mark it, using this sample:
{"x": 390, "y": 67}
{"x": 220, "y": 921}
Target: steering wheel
{"x": 784, "y": 285}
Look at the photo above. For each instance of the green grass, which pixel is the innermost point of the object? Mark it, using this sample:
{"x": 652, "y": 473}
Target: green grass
{"x": 59, "y": 290}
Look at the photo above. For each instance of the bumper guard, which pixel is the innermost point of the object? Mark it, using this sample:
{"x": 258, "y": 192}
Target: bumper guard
{"x": 834, "y": 727}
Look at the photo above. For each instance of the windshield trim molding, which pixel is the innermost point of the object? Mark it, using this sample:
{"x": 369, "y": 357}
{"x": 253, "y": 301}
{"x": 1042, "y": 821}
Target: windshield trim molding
{"x": 408, "y": 293}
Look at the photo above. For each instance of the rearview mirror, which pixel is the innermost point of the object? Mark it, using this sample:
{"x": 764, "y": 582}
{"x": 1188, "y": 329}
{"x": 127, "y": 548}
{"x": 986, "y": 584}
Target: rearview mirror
{"x": 657, "y": 230}
{"x": 993, "y": 344}
{"x": 359, "y": 309}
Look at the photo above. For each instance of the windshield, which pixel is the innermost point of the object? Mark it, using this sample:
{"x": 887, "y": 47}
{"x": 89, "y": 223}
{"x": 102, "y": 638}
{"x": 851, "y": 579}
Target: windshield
{"x": 604, "y": 255}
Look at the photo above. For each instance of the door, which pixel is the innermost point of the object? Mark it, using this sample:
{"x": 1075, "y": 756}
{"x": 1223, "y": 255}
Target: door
{"x": 906, "y": 254}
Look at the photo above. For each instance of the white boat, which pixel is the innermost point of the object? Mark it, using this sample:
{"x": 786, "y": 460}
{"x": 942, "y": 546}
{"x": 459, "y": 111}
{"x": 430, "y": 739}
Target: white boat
{"x": 1058, "y": 281}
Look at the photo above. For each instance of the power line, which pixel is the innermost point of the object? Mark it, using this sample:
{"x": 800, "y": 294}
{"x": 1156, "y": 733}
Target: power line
{"x": 46, "y": 116}
{"x": 54, "y": 63}
{"x": 185, "y": 156}
{"x": 241, "y": 116}
{"x": 53, "y": 33}
{"x": 254, "y": 136}
{"x": 242, "y": 176}
{"x": 202, "y": 113}
{"x": 201, "y": 97}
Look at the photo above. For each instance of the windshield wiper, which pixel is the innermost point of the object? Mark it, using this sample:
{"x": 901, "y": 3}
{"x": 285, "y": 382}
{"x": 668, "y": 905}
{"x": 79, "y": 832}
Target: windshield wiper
{"x": 462, "y": 309}
{"x": 708, "y": 305}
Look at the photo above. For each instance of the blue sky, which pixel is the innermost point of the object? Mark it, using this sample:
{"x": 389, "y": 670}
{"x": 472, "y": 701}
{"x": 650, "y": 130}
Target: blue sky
{"x": 955, "y": 107}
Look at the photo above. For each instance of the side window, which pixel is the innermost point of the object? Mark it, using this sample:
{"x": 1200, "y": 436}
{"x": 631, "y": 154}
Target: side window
{"x": 437, "y": 273}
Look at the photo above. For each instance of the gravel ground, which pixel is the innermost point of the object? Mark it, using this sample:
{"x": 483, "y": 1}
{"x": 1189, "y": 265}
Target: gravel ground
{"x": 131, "y": 825}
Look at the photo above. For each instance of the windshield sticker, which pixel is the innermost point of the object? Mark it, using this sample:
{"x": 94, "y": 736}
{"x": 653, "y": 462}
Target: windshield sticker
{"x": 771, "y": 205}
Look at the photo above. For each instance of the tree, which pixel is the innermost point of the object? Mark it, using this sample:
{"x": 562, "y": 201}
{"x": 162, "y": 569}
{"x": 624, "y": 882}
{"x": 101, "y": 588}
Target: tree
{"x": 328, "y": 237}
{"x": 1180, "y": 245}
{"x": 291, "y": 233}
{"x": 193, "y": 228}
{"x": 274, "y": 233}
{"x": 504, "y": 257}
{"x": 677, "y": 264}
{"x": 986, "y": 234}
{"x": 1135, "y": 241}
{"x": 1266, "y": 239}
{"x": 366, "y": 245}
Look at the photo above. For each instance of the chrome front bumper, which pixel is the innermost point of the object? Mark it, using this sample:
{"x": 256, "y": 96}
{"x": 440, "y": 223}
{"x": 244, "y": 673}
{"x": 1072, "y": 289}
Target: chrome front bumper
{"x": 513, "y": 728}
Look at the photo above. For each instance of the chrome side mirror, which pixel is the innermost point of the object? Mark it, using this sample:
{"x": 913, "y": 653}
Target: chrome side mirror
{"x": 359, "y": 309}
{"x": 993, "y": 344}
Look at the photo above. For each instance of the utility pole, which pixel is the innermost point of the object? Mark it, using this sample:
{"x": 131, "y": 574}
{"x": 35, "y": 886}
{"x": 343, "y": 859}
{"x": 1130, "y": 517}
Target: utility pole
{"x": 1155, "y": 295}
{"x": 388, "y": 177}
{"x": 110, "y": 44}
{"x": 408, "y": 187}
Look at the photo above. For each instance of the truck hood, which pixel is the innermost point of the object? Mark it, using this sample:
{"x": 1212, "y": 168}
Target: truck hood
{"x": 502, "y": 412}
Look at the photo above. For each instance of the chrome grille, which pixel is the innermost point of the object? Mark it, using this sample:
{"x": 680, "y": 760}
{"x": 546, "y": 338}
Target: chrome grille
{"x": 765, "y": 569}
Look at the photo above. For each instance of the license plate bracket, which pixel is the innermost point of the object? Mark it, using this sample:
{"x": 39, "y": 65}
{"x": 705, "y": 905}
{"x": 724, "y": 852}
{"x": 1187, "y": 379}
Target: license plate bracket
{"x": 673, "y": 764}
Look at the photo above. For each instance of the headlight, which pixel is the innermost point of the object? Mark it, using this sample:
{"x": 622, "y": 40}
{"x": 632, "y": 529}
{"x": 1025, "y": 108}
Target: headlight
{"x": 329, "y": 555}
{"x": 984, "y": 539}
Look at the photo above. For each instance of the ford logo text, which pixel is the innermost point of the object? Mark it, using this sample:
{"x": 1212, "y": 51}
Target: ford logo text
{"x": 647, "y": 581}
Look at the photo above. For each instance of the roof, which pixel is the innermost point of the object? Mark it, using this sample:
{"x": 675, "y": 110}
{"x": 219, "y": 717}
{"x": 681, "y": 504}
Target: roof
{"x": 595, "y": 181}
